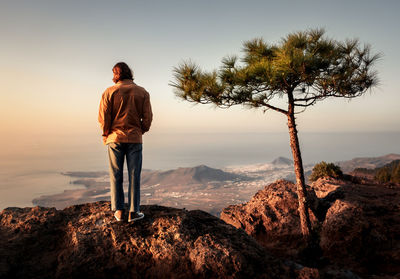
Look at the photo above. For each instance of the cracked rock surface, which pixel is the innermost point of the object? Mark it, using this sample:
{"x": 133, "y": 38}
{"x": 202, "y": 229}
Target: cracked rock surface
{"x": 85, "y": 241}
{"x": 358, "y": 225}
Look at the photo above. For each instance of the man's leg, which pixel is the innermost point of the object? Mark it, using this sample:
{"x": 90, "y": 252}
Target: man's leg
{"x": 116, "y": 158}
{"x": 134, "y": 160}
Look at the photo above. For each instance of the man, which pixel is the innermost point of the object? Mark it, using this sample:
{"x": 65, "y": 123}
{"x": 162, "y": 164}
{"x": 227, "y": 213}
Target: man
{"x": 125, "y": 115}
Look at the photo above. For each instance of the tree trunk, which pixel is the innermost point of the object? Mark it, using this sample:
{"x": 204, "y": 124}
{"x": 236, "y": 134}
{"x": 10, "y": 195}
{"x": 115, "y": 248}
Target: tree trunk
{"x": 299, "y": 171}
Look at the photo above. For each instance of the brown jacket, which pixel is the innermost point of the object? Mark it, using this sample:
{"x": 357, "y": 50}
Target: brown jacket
{"x": 125, "y": 112}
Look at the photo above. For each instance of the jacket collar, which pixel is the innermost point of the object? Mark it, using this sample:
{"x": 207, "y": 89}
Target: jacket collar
{"x": 125, "y": 81}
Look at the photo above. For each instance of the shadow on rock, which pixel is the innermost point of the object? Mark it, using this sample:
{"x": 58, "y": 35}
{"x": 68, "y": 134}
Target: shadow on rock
{"x": 358, "y": 226}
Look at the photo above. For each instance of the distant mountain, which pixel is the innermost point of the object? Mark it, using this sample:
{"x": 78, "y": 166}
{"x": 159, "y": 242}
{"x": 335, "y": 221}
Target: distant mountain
{"x": 282, "y": 161}
{"x": 367, "y": 162}
{"x": 388, "y": 173}
{"x": 183, "y": 176}
{"x": 370, "y": 163}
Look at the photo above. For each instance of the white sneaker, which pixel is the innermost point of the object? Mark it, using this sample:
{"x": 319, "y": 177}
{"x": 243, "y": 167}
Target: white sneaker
{"x": 135, "y": 216}
{"x": 119, "y": 219}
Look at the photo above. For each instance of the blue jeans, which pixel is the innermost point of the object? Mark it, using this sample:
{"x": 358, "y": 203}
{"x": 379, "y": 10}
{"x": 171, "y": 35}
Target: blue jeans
{"x": 116, "y": 154}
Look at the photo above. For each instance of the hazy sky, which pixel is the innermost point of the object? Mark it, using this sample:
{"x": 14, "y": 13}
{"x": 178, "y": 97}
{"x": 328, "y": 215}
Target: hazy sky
{"x": 56, "y": 59}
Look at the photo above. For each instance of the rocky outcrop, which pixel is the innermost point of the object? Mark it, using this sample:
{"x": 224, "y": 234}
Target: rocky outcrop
{"x": 358, "y": 225}
{"x": 85, "y": 241}
{"x": 362, "y": 228}
{"x": 271, "y": 217}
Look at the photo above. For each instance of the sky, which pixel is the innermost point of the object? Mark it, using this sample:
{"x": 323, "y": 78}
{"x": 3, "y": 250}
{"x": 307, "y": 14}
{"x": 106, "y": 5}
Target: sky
{"x": 56, "y": 60}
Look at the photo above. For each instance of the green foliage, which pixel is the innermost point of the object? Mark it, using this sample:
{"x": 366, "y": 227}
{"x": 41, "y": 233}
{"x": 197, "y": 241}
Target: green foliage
{"x": 324, "y": 169}
{"x": 389, "y": 172}
{"x": 305, "y": 65}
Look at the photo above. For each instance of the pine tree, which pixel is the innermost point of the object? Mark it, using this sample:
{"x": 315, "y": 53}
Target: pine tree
{"x": 303, "y": 68}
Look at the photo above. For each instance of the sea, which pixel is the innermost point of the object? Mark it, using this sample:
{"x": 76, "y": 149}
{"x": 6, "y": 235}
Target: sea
{"x": 34, "y": 168}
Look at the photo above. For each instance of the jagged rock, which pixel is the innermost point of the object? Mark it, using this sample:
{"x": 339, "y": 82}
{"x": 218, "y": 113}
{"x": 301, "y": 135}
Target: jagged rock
{"x": 362, "y": 229}
{"x": 85, "y": 241}
{"x": 271, "y": 217}
{"x": 359, "y": 225}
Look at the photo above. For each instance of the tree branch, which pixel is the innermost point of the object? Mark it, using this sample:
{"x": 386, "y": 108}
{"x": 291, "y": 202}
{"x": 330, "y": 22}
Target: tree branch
{"x": 275, "y": 108}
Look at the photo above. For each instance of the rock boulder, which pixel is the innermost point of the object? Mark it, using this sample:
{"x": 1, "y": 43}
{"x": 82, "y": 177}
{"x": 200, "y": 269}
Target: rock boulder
{"x": 85, "y": 241}
{"x": 358, "y": 224}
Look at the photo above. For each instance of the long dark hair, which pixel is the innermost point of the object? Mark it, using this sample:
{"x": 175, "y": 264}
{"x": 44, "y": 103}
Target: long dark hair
{"x": 124, "y": 71}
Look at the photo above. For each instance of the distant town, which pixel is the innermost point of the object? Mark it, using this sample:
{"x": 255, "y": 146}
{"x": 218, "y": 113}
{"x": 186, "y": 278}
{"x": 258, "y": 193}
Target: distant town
{"x": 199, "y": 187}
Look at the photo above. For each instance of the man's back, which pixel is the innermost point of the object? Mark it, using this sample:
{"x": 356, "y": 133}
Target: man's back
{"x": 125, "y": 112}
{"x": 124, "y": 115}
